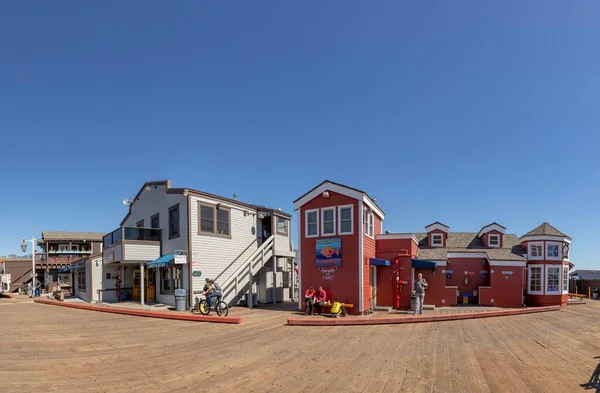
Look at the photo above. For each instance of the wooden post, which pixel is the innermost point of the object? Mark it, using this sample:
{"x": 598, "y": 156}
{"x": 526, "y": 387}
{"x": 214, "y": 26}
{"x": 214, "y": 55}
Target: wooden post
{"x": 250, "y": 286}
{"x": 589, "y": 292}
{"x": 274, "y": 292}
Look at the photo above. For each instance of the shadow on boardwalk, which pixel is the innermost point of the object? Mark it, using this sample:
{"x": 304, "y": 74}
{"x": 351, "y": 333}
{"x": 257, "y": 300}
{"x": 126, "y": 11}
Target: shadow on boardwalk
{"x": 594, "y": 382}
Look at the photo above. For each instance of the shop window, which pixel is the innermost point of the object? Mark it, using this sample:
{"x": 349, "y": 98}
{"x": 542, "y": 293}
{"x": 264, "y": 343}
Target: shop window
{"x": 81, "y": 281}
{"x": 170, "y": 279}
{"x": 174, "y": 221}
{"x": 312, "y": 223}
{"x": 536, "y": 279}
{"x": 282, "y": 225}
{"x": 437, "y": 240}
{"x": 553, "y": 280}
{"x": 328, "y": 221}
{"x": 565, "y": 279}
{"x": 345, "y": 223}
{"x": 493, "y": 240}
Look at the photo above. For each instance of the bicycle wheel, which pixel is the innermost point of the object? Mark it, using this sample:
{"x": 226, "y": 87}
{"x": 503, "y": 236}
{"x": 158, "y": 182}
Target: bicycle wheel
{"x": 204, "y": 308}
{"x": 222, "y": 309}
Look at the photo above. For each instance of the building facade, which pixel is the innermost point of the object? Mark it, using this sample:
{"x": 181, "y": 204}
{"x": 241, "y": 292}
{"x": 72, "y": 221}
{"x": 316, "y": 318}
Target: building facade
{"x": 175, "y": 238}
{"x": 87, "y": 278}
{"x": 342, "y": 247}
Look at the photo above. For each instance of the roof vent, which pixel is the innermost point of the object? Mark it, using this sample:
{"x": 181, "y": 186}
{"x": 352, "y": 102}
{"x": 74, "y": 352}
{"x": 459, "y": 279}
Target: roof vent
{"x": 387, "y": 232}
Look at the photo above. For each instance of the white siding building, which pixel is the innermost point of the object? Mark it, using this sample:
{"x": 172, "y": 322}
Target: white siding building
{"x": 87, "y": 278}
{"x": 245, "y": 248}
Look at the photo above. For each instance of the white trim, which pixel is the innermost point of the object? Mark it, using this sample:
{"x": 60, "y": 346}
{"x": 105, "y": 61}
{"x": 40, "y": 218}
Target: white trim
{"x": 433, "y": 244}
{"x": 299, "y": 259}
{"x": 433, "y": 227}
{"x": 565, "y": 269}
{"x": 327, "y": 186}
{"x": 370, "y": 217}
{"x": 545, "y": 237}
{"x": 559, "y": 246}
{"x": 491, "y": 227}
{"x": 360, "y": 259}
{"x": 467, "y": 255}
{"x": 306, "y": 212}
{"x": 509, "y": 263}
{"x": 323, "y": 210}
{"x": 392, "y": 236}
{"x": 560, "y": 273}
{"x": 529, "y": 253}
{"x": 339, "y": 208}
{"x": 542, "y": 281}
{"x": 489, "y": 241}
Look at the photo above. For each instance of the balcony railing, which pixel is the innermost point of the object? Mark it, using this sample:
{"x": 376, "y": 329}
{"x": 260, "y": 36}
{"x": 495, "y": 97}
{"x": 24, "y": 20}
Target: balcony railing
{"x": 131, "y": 233}
{"x": 69, "y": 252}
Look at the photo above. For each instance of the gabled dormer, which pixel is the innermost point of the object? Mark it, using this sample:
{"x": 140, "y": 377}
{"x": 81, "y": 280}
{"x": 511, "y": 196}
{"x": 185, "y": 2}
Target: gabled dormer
{"x": 546, "y": 242}
{"x": 492, "y": 235}
{"x": 437, "y": 234}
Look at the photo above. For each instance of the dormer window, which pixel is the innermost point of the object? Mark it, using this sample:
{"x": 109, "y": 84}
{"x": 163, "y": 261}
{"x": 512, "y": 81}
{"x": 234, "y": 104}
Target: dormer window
{"x": 437, "y": 240}
{"x": 493, "y": 240}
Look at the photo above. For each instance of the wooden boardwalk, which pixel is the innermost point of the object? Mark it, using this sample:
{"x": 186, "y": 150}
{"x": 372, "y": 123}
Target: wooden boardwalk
{"x": 56, "y": 349}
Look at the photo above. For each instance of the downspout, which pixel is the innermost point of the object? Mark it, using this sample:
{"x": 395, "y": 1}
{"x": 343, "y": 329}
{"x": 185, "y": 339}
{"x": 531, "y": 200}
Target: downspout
{"x": 360, "y": 257}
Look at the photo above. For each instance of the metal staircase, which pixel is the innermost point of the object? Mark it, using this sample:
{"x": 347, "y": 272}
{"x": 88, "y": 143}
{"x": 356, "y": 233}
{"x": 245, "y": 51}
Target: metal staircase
{"x": 241, "y": 279}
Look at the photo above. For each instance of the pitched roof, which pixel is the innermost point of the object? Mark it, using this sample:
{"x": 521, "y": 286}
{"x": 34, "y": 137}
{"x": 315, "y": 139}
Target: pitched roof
{"x": 470, "y": 242}
{"x": 545, "y": 230}
{"x": 344, "y": 186}
{"x": 90, "y": 236}
{"x": 586, "y": 274}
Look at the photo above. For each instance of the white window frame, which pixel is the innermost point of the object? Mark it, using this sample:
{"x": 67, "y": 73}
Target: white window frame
{"x": 306, "y": 213}
{"x": 369, "y": 224}
{"x": 565, "y": 279}
{"x": 559, "y": 291}
{"x": 530, "y": 255}
{"x": 496, "y": 236}
{"x": 441, "y": 241}
{"x": 351, "y": 207}
{"x": 323, "y": 210}
{"x": 559, "y": 247}
{"x": 542, "y": 281}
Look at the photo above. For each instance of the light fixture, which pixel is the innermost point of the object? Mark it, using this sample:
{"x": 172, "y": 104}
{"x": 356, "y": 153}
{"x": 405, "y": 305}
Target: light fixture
{"x": 23, "y": 245}
{"x": 325, "y": 194}
{"x": 261, "y": 216}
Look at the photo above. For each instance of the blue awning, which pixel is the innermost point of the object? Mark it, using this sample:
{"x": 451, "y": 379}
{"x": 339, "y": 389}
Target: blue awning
{"x": 163, "y": 261}
{"x": 418, "y": 263}
{"x": 65, "y": 269}
{"x": 379, "y": 262}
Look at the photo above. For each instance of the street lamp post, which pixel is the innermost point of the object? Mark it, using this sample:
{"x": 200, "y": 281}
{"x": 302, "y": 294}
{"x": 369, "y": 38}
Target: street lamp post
{"x": 24, "y": 248}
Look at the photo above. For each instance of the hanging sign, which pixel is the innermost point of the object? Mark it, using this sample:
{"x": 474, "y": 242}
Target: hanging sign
{"x": 180, "y": 259}
{"x": 329, "y": 252}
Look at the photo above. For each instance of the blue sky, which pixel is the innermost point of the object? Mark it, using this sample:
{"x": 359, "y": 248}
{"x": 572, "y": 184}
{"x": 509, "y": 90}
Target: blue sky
{"x": 465, "y": 112}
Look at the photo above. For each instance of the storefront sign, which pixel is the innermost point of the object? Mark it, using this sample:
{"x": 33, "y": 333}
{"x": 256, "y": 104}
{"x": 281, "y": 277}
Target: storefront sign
{"x": 329, "y": 252}
{"x": 180, "y": 259}
{"x": 328, "y": 272}
{"x": 507, "y": 272}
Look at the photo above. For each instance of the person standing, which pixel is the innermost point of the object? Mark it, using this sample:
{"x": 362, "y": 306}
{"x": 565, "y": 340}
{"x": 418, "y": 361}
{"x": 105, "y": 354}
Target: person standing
{"x": 420, "y": 288}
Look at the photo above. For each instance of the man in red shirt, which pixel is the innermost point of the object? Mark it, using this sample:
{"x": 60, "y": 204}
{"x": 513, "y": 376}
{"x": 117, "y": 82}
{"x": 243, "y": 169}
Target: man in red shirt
{"x": 320, "y": 297}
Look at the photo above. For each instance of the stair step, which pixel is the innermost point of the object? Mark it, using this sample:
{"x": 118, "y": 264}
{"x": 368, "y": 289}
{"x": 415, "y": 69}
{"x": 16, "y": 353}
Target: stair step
{"x": 382, "y": 308}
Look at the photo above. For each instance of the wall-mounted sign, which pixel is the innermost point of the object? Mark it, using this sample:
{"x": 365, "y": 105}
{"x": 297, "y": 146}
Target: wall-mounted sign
{"x": 448, "y": 276}
{"x": 196, "y": 273}
{"x": 329, "y": 252}
{"x": 111, "y": 256}
{"x": 507, "y": 272}
{"x": 483, "y": 271}
{"x": 328, "y": 272}
{"x": 180, "y": 259}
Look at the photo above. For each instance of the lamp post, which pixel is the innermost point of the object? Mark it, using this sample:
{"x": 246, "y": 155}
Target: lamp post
{"x": 24, "y": 248}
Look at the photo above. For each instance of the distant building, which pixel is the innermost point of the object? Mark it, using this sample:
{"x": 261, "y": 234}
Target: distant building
{"x": 585, "y": 274}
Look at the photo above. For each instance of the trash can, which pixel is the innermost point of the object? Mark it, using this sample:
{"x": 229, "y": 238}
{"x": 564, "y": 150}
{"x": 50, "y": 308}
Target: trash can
{"x": 595, "y": 293}
{"x": 413, "y": 303}
{"x": 29, "y": 290}
{"x": 180, "y": 300}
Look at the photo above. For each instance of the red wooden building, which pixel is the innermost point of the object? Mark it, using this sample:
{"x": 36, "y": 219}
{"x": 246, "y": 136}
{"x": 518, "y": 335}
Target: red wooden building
{"x": 342, "y": 247}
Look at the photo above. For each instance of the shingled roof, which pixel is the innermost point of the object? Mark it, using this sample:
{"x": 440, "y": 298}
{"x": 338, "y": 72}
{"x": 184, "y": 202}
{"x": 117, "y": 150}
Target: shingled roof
{"x": 470, "y": 242}
{"x": 77, "y": 236}
{"x": 545, "y": 230}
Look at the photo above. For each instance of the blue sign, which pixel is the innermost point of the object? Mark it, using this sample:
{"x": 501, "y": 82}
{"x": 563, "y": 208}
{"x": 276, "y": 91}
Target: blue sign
{"x": 329, "y": 252}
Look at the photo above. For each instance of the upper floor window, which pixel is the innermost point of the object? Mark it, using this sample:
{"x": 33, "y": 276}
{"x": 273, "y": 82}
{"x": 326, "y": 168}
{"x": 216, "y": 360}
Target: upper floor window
{"x": 282, "y": 226}
{"x": 213, "y": 220}
{"x": 368, "y": 223}
{"x": 536, "y": 251}
{"x": 345, "y": 216}
{"x": 63, "y": 247}
{"x": 437, "y": 240}
{"x": 552, "y": 250}
{"x": 328, "y": 221}
{"x": 155, "y": 221}
{"x": 174, "y": 221}
{"x": 311, "y": 221}
{"x": 140, "y": 224}
{"x": 493, "y": 240}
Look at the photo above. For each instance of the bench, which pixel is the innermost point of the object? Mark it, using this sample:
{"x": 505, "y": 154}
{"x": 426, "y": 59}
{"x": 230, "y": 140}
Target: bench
{"x": 344, "y": 309}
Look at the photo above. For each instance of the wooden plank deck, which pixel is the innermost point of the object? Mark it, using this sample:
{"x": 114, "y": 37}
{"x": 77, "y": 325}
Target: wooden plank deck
{"x": 46, "y": 348}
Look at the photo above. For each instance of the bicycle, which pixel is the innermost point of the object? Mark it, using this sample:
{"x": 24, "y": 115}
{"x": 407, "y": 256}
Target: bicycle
{"x": 217, "y": 304}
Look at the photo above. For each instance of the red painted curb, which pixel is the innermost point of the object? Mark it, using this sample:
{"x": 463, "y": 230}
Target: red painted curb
{"x": 141, "y": 313}
{"x": 401, "y": 320}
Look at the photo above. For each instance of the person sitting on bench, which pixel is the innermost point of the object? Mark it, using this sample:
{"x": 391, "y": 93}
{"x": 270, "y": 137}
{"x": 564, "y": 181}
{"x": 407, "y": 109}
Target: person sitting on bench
{"x": 309, "y": 300}
{"x": 320, "y": 297}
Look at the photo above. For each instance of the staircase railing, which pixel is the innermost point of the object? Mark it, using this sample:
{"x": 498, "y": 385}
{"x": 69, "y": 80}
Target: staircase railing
{"x": 241, "y": 278}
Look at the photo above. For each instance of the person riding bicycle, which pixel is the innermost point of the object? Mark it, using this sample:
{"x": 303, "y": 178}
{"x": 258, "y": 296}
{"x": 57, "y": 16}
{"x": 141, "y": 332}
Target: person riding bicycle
{"x": 212, "y": 290}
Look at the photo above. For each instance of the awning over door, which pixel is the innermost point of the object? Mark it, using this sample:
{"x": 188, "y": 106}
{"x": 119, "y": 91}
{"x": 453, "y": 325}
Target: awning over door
{"x": 419, "y": 263}
{"x": 378, "y": 262}
{"x": 163, "y": 261}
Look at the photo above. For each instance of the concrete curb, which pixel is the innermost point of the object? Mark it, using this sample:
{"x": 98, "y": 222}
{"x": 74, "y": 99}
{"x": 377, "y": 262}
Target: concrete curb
{"x": 414, "y": 319}
{"x": 142, "y": 313}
